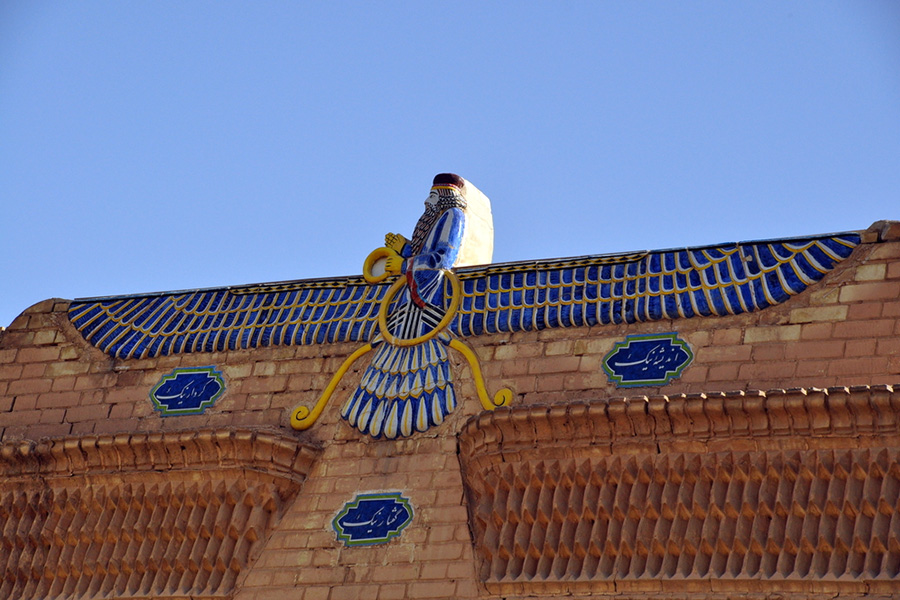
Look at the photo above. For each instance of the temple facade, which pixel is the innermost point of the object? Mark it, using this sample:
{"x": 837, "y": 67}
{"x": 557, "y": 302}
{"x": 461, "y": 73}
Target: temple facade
{"x": 706, "y": 423}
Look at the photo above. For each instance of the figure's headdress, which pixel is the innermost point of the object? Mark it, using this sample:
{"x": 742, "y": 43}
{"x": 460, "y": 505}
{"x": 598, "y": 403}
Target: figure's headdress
{"x": 454, "y": 191}
{"x": 449, "y": 190}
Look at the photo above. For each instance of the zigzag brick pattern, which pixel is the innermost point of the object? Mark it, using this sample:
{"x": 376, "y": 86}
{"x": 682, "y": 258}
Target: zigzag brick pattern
{"x": 738, "y": 515}
{"x": 186, "y": 524}
{"x": 645, "y": 491}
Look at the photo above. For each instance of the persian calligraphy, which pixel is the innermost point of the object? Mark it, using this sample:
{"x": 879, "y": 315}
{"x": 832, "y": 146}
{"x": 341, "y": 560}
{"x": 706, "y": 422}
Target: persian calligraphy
{"x": 647, "y": 360}
{"x": 373, "y": 518}
{"x": 187, "y": 391}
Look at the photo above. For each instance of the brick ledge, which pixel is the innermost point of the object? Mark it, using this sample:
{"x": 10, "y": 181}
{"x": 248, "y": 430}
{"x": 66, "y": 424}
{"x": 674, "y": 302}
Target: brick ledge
{"x": 688, "y": 422}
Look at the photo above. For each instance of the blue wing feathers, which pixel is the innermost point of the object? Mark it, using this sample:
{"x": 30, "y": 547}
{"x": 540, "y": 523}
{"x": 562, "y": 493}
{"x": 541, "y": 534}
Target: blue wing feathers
{"x": 718, "y": 280}
{"x": 721, "y": 280}
{"x": 217, "y": 320}
{"x": 403, "y": 390}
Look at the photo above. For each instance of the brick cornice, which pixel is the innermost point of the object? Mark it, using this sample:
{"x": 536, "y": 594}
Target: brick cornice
{"x": 687, "y": 421}
{"x": 143, "y": 515}
{"x": 206, "y": 449}
{"x": 785, "y": 491}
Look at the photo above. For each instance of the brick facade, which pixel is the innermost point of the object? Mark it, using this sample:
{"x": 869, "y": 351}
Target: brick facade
{"x": 838, "y": 335}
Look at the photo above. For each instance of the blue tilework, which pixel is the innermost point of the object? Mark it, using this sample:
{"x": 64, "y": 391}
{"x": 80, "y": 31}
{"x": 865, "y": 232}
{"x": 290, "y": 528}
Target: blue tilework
{"x": 647, "y": 360}
{"x": 670, "y": 284}
{"x": 229, "y": 319}
{"x": 403, "y": 390}
{"x": 373, "y": 518}
{"x": 187, "y": 391}
{"x": 728, "y": 279}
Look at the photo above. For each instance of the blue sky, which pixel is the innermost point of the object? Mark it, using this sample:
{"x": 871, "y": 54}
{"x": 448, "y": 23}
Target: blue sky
{"x": 148, "y": 146}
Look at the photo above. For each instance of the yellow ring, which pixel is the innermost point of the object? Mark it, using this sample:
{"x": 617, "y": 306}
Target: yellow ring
{"x": 373, "y": 257}
{"x": 448, "y": 316}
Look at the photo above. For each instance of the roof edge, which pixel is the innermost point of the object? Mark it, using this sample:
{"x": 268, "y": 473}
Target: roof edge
{"x": 879, "y": 231}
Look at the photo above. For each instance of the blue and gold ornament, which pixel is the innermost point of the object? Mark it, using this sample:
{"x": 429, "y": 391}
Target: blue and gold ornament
{"x": 419, "y": 297}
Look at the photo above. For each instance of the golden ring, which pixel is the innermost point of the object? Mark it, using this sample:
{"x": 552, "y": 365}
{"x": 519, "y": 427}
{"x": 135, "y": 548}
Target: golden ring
{"x": 448, "y": 316}
{"x": 373, "y": 257}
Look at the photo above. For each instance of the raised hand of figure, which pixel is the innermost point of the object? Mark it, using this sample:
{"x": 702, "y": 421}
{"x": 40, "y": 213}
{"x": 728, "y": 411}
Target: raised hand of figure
{"x": 395, "y": 242}
{"x": 393, "y": 264}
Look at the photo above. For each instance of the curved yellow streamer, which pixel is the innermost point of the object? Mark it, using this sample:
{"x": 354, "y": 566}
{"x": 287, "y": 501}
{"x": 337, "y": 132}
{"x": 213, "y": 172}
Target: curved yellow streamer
{"x": 301, "y": 417}
{"x": 502, "y": 398}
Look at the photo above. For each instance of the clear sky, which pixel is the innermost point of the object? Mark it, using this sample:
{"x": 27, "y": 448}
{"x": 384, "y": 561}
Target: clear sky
{"x": 149, "y": 146}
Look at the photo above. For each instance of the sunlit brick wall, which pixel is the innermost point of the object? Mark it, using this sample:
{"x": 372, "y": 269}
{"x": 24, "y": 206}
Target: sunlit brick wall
{"x": 842, "y": 331}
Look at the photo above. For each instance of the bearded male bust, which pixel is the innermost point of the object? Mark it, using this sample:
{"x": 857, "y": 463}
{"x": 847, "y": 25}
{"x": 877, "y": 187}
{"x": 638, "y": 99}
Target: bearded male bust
{"x": 408, "y": 385}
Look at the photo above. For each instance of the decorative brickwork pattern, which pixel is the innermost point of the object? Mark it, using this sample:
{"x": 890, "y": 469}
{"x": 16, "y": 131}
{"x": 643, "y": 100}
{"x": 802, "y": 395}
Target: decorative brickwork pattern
{"x": 171, "y": 515}
{"x": 842, "y": 331}
{"x": 638, "y": 491}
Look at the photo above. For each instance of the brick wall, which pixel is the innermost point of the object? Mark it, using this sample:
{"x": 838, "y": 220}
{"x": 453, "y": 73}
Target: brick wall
{"x": 842, "y": 331}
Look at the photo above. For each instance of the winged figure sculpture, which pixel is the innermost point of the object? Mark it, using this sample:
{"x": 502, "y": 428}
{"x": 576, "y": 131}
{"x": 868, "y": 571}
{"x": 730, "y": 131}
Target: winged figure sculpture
{"x": 420, "y": 297}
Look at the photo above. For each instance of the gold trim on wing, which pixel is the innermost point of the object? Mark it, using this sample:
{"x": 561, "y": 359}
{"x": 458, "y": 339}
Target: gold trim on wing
{"x": 542, "y": 284}
{"x": 552, "y": 265}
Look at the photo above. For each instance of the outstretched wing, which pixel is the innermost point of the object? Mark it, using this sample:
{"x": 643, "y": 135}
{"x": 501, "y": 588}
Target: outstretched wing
{"x": 626, "y": 288}
{"x": 647, "y": 286}
{"x": 214, "y": 320}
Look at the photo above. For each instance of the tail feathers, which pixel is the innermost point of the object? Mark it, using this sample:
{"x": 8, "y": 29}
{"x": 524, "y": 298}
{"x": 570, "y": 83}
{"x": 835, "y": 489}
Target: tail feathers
{"x": 402, "y": 391}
